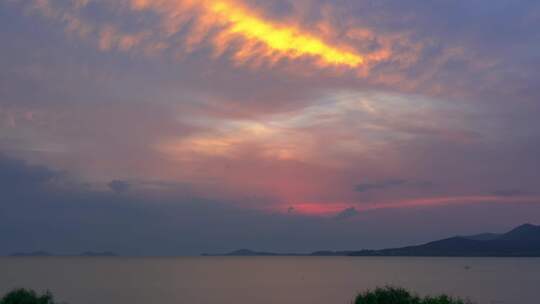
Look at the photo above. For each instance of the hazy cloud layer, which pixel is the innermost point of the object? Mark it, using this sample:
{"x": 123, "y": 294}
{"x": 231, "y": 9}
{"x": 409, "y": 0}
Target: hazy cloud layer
{"x": 52, "y": 218}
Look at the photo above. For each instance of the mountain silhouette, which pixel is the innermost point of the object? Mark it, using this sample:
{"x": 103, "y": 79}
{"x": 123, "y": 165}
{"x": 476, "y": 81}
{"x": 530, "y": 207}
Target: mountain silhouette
{"x": 32, "y": 254}
{"x": 522, "y": 241}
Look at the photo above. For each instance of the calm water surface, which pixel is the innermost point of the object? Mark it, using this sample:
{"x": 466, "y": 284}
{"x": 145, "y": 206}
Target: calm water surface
{"x": 265, "y": 280}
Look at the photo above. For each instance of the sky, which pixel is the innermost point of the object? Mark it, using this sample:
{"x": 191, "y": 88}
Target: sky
{"x": 177, "y": 127}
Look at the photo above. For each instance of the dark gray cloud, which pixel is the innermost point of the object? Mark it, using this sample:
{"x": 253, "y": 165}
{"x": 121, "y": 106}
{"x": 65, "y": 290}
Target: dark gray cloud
{"x": 119, "y": 186}
{"x": 347, "y": 214}
{"x": 19, "y": 175}
{"x": 509, "y": 192}
{"x": 380, "y": 185}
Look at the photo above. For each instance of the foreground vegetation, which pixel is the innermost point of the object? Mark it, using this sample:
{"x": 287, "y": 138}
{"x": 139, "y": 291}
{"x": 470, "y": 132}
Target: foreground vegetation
{"x": 391, "y": 295}
{"x": 388, "y": 295}
{"x": 26, "y": 296}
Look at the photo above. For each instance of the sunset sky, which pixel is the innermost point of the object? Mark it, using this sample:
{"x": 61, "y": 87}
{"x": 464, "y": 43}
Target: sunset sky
{"x": 168, "y": 127}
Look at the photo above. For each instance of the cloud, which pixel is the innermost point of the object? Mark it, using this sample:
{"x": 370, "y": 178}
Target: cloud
{"x": 347, "y": 213}
{"x": 18, "y": 175}
{"x": 508, "y": 192}
{"x": 380, "y": 185}
{"x": 119, "y": 186}
{"x": 244, "y": 33}
{"x": 414, "y": 54}
{"x": 229, "y": 26}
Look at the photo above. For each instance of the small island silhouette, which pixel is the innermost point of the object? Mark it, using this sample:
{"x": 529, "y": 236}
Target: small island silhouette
{"x": 48, "y": 254}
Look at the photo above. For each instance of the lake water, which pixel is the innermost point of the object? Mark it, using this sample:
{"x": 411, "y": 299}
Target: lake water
{"x": 269, "y": 280}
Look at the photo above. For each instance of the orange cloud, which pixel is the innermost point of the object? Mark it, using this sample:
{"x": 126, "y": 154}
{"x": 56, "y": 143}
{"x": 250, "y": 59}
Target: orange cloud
{"x": 229, "y": 26}
{"x": 249, "y": 38}
{"x": 260, "y": 39}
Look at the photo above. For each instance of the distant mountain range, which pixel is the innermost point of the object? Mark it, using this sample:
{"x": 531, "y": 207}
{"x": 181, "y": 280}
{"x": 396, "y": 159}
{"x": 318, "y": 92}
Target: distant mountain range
{"x": 48, "y": 254}
{"x": 522, "y": 241}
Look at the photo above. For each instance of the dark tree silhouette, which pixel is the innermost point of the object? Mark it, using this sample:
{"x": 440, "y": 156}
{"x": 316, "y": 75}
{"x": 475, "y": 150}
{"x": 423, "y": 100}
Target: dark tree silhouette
{"x": 26, "y": 296}
{"x": 391, "y": 295}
